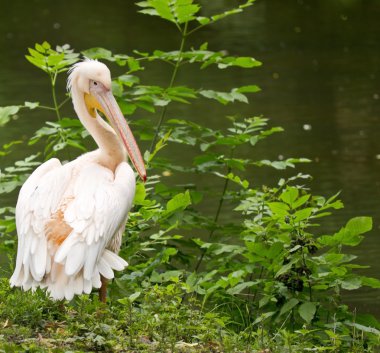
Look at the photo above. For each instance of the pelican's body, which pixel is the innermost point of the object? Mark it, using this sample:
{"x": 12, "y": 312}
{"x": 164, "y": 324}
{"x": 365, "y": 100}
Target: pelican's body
{"x": 70, "y": 218}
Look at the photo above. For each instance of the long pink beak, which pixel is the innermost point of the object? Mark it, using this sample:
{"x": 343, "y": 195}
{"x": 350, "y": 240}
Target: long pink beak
{"x": 115, "y": 116}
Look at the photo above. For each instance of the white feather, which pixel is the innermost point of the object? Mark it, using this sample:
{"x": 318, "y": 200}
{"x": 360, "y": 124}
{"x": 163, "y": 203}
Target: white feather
{"x": 87, "y": 286}
{"x": 114, "y": 261}
{"x": 75, "y": 259}
{"x": 69, "y": 291}
{"x": 105, "y": 269}
{"x": 65, "y": 248}
{"x": 91, "y": 259}
{"x": 39, "y": 258}
{"x": 77, "y": 284}
{"x": 96, "y": 282}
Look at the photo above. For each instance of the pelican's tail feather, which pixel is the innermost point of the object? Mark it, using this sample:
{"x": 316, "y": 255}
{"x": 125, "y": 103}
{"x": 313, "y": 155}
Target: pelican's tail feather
{"x": 69, "y": 277}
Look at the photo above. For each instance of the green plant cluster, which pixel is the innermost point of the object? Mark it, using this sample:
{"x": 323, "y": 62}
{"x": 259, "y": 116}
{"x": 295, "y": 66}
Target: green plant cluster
{"x": 254, "y": 275}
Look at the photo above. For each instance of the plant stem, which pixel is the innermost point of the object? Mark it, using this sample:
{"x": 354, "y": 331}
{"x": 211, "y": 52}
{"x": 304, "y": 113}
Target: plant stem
{"x": 63, "y": 102}
{"x": 221, "y": 200}
{"x": 307, "y": 276}
{"x": 53, "y": 78}
{"x": 215, "y": 220}
{"x": 56, "y": 107}
{"x": 257, "y": 289}
{"x": 46, "y": 107}
{"x": 172, "y": 79}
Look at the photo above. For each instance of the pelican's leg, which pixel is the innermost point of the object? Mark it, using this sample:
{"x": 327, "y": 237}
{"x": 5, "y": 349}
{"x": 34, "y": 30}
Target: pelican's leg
{"x": 103, "y": 289}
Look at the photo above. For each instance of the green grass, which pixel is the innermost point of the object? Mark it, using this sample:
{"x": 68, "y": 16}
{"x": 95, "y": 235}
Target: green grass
{"x": 156, "y": 320}
{"x": 33, "y": 323}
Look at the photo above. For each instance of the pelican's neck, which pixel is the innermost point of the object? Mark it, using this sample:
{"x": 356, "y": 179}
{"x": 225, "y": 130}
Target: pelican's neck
{"x": 111, "y": 151}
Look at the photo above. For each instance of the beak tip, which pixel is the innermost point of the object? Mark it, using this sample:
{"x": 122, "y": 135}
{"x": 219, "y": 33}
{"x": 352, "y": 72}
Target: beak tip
{"x": 144, "y": 178}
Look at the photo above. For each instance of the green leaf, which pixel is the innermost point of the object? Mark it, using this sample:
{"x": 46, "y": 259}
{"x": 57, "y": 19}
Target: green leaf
{"x": 69, "y": 123}
{"x": 98, "y": 53}
{"x": 363, "y": 328}
{"x": 117, "y": 89}
{"x": 263, "y": 317}
{"x": 6, "y": 113}
{"x": 31, "y": 105}
{"x": 246, "y": 62}
{"x": 277, "y": 164}
{"x": 177, "y": 11}
{"x": 128, "y": 80}
{"x": 275, "y": 250}
{"x": 185, "y": 10}
{"x": 129, "y": 300}
{"x": 76, "y": 144}
{"x": 350, "y": 234}
{"x": 7, "y": 148}
{"x": 140, "y": 194}
{"x": 220, "y": 248}
{"x": 148, "y": 106}
{"x": 234, "y": 178}
{"x": 37, "y": 62}
{"x": 359, "y": 225}
{"x": 351, "y": 283}
{"x": 237, "y": 96}
{"x": 249, "y": 89}
{"x": 279, "y": 209}
{"x": 224, "y": 97}
{"x": 303, "y": 214}
{"x": 289, "y": 195}
{"x": 168, "y": 276}
{"x": 179, "y": 202}
{"x": 159, "y": 8}
{"x": 167, "y": 253}
{"x": 370, "y": 282}
{"x": 133, "y": 65}
{"x": 55, "y": 59}
{"x": 46, "y": 45}
{"x": 203, "y": 20}
{"x": 368, "y": 320}
{"x": 127, "y": 108}
{"x": 52, "y": 61}
{"x": 240, "y": 287}
{"x": 307, "y": 311}
{"x": 159, "y": 146}
{"x": 285, "y": 268}
{"x": 134, "y": 296}
{"x": 40, "y": 48}
{"x": 301, "y": 201}
{"x": 289, "y": 305}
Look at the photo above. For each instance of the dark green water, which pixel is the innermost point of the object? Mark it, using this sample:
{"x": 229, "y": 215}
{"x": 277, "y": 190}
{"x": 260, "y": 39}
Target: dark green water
{"x": 320, "y": 81}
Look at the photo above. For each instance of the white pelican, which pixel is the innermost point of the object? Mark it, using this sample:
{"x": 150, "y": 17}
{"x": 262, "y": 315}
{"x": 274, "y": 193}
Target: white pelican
{"x": 70, "y": 218}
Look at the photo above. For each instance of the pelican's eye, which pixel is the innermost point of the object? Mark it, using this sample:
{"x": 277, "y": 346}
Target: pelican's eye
{"x": 96, "y": 85}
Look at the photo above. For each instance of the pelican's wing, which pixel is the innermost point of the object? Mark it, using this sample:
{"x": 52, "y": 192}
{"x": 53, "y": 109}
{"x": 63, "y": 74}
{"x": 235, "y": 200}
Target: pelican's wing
{"x": 38, "y": 197}
{"x": 97, "y": 212}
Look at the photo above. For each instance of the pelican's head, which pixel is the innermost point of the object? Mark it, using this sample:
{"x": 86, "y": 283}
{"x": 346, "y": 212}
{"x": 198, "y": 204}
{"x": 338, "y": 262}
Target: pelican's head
{"x": 91, "y": 80}
{"x": 82, "y": 73}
